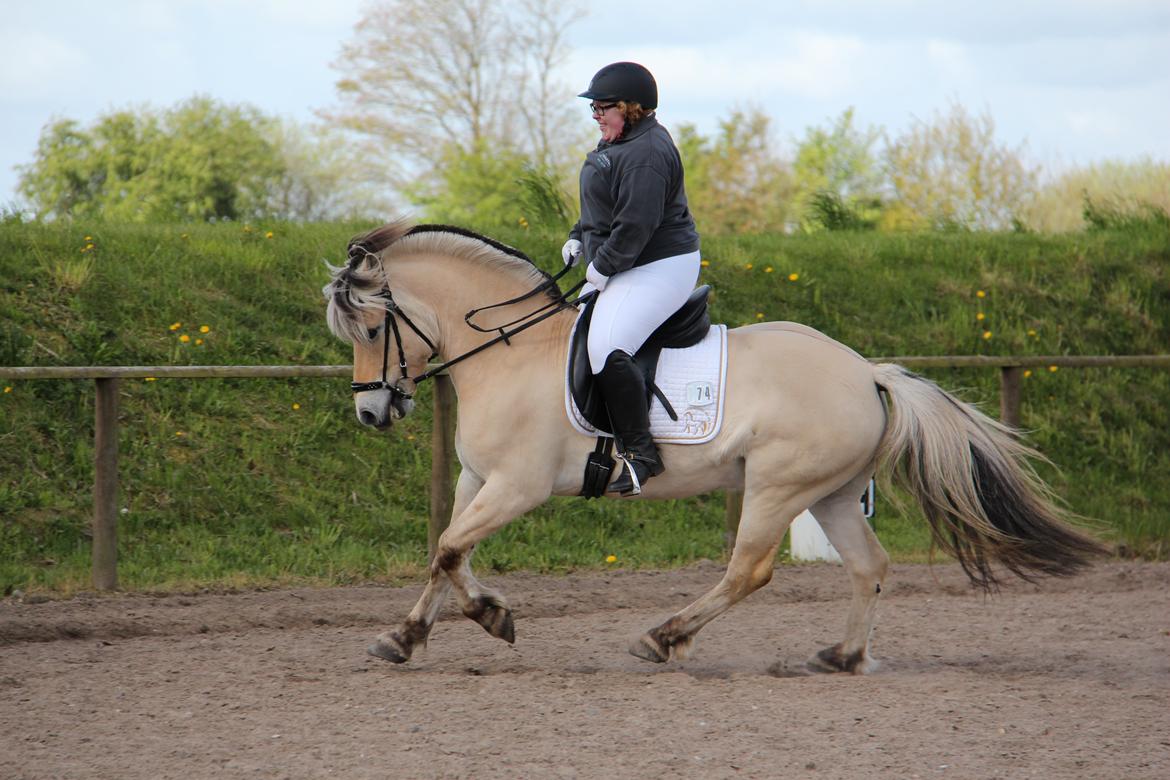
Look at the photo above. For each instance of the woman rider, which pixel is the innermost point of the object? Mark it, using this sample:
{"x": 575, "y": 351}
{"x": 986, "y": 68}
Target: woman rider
{"x": 639, "y": 240}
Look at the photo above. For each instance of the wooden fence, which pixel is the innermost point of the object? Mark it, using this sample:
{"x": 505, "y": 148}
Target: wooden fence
{"x": 107, "y": 378}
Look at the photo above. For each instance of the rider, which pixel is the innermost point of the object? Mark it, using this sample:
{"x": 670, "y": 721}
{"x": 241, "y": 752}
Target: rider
{"x": 642, "y": 249}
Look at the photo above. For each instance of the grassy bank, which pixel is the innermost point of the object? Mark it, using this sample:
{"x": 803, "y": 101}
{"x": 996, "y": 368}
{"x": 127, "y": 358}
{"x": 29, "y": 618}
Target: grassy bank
{"x": 255, "y": 482}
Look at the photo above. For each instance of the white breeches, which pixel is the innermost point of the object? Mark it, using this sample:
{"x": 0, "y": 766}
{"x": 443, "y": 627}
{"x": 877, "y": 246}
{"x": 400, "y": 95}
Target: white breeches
{"x": 635, "y": 302}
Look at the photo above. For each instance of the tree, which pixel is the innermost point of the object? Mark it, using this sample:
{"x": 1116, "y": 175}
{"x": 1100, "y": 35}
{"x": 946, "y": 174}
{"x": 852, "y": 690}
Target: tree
{"x": 1125, "y": 186}
{"x": 838, "y": 176}
{"x": 736, "y": 181}
{"x": 425, "y": 79}
{"x": 323, "y": 179}
{"x": 200, "y": 160}
{"x": 951, "y": 173}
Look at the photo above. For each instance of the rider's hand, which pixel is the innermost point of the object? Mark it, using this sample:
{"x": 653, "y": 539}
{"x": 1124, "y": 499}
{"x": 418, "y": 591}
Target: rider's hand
{"x": 595, "y": 277}
{"x": 571, "y": 252}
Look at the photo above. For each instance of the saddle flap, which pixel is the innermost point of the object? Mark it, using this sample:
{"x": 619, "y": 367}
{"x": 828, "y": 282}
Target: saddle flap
{"x": 685, "y": 328}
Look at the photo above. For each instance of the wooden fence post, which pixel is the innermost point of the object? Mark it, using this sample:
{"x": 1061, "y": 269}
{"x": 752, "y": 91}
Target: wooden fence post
{"x": 733, "y": 504}
{"x": 442, "y": 458}
{"x": 1010, "y": 382}
{"x": 105, "y": 485}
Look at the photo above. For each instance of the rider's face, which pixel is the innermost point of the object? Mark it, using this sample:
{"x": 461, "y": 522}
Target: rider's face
{"x": 610, "y": 122}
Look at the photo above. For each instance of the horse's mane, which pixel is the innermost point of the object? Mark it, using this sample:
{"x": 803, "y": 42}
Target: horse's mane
{"x": 357, "y": 286}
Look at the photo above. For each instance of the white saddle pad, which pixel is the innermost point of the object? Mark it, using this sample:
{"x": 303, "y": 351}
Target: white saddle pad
{"x": 692, "y": 380}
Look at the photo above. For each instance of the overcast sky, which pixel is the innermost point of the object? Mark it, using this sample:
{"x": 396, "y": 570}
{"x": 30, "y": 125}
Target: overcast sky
{"x": 1077, "y": 80}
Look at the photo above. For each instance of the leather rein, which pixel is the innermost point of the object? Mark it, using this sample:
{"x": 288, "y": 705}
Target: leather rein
{"x": 394, "y": 313}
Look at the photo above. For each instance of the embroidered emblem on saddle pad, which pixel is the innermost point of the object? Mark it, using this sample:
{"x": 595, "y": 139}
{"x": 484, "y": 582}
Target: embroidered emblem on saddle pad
{"x": 692, "y": 379}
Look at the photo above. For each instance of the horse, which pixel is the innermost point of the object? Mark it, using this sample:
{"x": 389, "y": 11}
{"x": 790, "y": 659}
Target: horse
{"x": 807, "y": 421}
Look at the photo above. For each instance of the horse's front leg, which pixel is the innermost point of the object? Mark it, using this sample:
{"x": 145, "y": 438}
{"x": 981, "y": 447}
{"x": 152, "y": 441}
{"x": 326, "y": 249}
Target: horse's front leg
{"x": 501, "y": 500}
{"x": 480, "y": 509}
{"x": 398, "y": 644}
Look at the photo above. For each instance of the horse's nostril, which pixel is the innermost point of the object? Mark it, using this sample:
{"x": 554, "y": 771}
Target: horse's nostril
{"x": 368, "y": 418}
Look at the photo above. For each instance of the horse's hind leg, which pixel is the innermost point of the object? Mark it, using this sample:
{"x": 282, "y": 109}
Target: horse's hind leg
{"x": 843, "y": 520}
{"x": 767, "y": 511}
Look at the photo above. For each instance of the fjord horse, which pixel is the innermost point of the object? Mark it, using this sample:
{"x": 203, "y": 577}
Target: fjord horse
{"x": 806, "y": 422}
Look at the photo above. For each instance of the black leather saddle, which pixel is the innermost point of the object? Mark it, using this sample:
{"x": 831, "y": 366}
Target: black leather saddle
{"x": 685, "y": 328}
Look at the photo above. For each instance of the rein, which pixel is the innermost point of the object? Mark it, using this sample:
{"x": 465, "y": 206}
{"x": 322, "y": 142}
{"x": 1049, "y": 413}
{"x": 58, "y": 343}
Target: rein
{"x": 393, "y": 312}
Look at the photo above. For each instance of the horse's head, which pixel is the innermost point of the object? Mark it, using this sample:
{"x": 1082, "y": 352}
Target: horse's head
{"x": 388, "y": 347}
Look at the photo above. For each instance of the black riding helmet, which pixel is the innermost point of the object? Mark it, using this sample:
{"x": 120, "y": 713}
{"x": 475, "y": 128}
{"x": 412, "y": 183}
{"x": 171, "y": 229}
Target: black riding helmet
{"x": 627, "y": 81}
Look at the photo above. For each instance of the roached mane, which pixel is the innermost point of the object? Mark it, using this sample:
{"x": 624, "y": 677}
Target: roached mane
{"x": 356, "y": 287}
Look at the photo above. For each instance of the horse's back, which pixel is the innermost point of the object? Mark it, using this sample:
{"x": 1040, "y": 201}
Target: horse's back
{"x": 791, "y": 376}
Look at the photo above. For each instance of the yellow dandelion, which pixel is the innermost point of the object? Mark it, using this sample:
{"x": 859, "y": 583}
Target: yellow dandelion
{"x": 176, "y": 325}
{"x": 980, "y": 294}
{"x": 8, "y": 389}
{"x": 1053, "y": 369}
{"x": 410, "y": 437}
{"x": 89, "y": 246}
{"x": 793, "y": 277}
{"x": 1031, "y": 332}
{"x": 204, "y": 329}
{"x": 296, "y": 406}
{"x": 198, "y": 342}
{"x": 269, "y": 234}
{"x": 980, "y": 316}
{"x": 151, "y": 379}
{"x": 768, "y": 270}
{"x": 759, "y": 315}
{"x": 180, "y": 433}
{"x": 611, "y": 559}
{"x": 89, "y": 238}
{"x": 82, "y": 250}
{"x": 1027, "y": 373}
{"x": 184, "y": 236}
{"x": 748, "y": 266}
{"x": 704, "y": 263}
{"x": 986, "y": 335}
{"x": 184, "y": 338}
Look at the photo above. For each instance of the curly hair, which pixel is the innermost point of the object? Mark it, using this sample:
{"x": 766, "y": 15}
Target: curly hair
{"x": 632, "y": 112}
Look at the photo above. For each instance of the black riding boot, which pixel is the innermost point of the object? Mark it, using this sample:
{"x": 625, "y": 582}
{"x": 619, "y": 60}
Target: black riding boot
{"x": 624, "y": 389}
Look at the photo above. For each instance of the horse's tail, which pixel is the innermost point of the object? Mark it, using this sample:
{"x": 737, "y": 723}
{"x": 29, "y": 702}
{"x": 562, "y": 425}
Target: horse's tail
{"x": 977, "y": 488}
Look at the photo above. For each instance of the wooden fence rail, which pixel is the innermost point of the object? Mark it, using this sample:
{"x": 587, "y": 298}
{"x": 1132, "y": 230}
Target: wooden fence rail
{"x": 107, "y": 378}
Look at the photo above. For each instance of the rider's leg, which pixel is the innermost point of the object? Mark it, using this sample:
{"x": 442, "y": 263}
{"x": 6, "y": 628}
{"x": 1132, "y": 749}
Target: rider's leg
{"x": 624, "y": 389}
{"x": 632, "y": 305}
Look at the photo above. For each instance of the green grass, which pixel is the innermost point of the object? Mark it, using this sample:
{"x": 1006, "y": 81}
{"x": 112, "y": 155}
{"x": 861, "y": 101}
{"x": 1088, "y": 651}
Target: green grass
{"x": 225, "y": 484}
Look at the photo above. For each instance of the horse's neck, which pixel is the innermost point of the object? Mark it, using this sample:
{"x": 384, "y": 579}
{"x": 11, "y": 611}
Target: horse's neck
{"x": 452, "y": 289}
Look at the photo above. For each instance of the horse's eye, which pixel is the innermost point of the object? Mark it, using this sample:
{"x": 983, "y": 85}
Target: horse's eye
{"x": 373, "y": 333}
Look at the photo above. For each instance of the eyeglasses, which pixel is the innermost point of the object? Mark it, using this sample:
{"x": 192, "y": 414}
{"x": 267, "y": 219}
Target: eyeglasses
{"x": 598, "y": 108}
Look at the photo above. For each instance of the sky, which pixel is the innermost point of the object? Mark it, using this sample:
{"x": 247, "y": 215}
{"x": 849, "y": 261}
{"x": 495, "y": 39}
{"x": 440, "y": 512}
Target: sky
{"x": 1072, "y": 81}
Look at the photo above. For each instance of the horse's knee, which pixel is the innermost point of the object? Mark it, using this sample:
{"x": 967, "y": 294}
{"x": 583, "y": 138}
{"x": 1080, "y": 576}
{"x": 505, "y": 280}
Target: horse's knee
{"x": 447, "y": 559}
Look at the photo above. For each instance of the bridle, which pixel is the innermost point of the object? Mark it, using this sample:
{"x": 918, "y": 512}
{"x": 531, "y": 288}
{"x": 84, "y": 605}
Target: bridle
{"x": 390, "y": 325}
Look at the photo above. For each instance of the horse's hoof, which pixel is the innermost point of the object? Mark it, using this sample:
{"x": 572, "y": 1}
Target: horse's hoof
{"x": 648, "y": 649}
{"x": 832, "y": 661}
{"x": 495, "y": 618}
{"x": 389, "y": 648}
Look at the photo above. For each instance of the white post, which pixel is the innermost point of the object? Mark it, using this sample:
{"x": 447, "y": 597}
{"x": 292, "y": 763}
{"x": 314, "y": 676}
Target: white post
{"x": 808, "y": 542}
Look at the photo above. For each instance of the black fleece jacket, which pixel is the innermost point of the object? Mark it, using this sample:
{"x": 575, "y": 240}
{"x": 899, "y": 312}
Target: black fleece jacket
{"x": 633, "y": 204}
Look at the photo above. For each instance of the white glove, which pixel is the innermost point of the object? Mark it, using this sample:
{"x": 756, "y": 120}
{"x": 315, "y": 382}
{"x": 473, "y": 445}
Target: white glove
{"x": 595, "y": 277}
{"x": 571, "y": 252}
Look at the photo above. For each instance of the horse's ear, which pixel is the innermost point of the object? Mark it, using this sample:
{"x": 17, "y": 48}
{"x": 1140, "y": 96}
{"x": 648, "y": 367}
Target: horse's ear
{"x": 355, "y": 252}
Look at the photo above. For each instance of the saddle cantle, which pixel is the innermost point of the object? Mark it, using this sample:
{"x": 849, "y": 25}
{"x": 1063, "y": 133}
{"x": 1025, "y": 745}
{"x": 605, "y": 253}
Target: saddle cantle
{"x": 685, "y": 328}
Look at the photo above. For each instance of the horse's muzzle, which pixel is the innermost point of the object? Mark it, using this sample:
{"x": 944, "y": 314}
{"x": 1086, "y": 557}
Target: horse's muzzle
{"x": 380, "y": 408}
